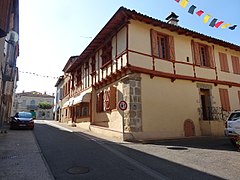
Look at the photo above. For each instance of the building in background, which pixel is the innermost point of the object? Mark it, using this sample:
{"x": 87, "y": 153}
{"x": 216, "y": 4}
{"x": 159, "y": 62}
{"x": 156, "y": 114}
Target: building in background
{"x": 9, "y": 51}
{"x": 29, "y": 101}
{"x": 59, "y": 96}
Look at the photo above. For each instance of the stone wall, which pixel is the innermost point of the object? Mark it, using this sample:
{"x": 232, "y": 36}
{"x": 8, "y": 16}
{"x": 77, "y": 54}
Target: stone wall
{"x": 132, "y": 95}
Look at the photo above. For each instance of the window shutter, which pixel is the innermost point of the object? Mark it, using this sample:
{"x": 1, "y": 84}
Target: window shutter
{"x": 235, "y": 64}
{"x": 113, "y": 92}
{"x": 154, "y": 43}
{"x": 196, "y": 56}
{"x": 171, "y": 48}
{"x": 211, "y": 55}
{"x": 223, "y": 62}
{"x": 224, "y": 99}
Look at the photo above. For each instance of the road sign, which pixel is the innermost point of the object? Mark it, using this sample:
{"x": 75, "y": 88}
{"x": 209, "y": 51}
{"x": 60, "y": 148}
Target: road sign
{"x": 122, "y": 105}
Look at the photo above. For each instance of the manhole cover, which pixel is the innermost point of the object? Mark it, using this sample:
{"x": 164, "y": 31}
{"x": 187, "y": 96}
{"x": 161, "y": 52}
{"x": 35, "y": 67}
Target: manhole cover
{"x": 177, "y": 148}
{"x": 78, "y": 170}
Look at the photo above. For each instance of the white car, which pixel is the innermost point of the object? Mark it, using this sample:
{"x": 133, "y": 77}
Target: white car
{"x": 232, "y": 124}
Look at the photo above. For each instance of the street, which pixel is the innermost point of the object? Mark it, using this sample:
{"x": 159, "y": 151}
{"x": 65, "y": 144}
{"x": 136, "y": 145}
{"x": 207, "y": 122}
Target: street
{"x": 75, "y": 155}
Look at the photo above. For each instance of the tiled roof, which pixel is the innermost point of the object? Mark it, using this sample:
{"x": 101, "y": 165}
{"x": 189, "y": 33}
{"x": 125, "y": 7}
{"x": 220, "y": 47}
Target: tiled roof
{"x": 123, "y": 15}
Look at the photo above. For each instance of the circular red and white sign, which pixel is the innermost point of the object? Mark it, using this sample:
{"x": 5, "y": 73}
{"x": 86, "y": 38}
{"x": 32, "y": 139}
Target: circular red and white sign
{"x": 122, "y": 105}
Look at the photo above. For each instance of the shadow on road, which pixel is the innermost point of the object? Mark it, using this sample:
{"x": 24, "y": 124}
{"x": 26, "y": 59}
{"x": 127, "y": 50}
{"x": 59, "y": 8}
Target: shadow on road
{"x": 211, "y": 143}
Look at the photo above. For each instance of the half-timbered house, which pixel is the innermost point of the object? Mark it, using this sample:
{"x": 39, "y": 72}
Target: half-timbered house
{"x": 176, "y": 82}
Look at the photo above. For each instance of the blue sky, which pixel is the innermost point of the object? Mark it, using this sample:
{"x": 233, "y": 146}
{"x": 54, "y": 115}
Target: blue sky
{"x": 53, "y": 30}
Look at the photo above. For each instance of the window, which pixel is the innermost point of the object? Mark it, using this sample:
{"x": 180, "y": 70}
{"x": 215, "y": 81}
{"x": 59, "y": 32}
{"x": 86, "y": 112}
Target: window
{"x": 223, "y": 62}
{"x": 235, "y": 64}
{"x": 224, "y": 98}
{"x": 85, "y": 109}
{"x": 203, "y": 55}
{"x": 162, "y": 45}
{"x": 82, "y": 110}
{"x": 107, "y": 53}
{"x": 100, "y": 102}
{"x": 32, "y": 102}
{"x": 106, "y": 100}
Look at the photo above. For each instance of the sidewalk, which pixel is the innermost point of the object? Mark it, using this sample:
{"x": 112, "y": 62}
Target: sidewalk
{"x": 21, "y": 158}
{"x": 83, "y": 131}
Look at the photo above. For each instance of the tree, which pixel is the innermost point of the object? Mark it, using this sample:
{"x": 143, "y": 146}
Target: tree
{"x": 44, "y": 105}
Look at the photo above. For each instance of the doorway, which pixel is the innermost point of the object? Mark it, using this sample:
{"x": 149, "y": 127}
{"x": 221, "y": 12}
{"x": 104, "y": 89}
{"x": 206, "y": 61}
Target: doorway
{"x": 206, "y": 104}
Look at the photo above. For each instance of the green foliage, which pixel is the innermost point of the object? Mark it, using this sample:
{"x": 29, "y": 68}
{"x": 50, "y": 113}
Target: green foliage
{"x": 44, "y": 105}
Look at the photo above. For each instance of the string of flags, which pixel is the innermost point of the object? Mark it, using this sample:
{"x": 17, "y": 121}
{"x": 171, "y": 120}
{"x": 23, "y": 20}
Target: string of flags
{"x": 207, "y": 18}
{"x": 39, "y": 75}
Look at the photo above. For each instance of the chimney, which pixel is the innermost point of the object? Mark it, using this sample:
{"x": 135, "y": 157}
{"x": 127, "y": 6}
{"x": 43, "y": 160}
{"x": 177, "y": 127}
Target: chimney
{"x": 172, "y": 19}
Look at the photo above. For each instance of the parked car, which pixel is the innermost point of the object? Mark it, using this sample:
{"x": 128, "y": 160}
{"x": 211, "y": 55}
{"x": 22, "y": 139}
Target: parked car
{"x": 22, "y": 120}
{"x": 232, "y": 124}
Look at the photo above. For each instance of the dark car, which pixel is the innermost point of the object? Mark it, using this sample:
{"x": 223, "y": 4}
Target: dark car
{"x": 22, "y": 120}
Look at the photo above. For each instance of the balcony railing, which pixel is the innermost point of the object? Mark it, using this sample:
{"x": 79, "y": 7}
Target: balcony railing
{"x": 213, "y": 113}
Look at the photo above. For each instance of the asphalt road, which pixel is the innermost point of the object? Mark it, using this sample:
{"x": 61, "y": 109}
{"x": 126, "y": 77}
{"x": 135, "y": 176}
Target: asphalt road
{"x": 74, "y": 155}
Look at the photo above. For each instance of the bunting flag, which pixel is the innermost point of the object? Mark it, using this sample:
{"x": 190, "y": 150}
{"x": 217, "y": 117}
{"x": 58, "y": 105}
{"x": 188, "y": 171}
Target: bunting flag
{"x": 39, "y": 75}
{"x": 200, "y": 12}
{"x": 225, "y": 25}
{"x": 233, "y": 27}
{"x": 207, "y": 17}
{"x": 184, "y": 3}
{"x": 192, "y": 9}
{"x": 213, "y": 22}
{"x": 219, "y": 24}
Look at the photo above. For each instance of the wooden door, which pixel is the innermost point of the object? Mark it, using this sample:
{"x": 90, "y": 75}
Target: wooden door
{"x": 189, "y": 128}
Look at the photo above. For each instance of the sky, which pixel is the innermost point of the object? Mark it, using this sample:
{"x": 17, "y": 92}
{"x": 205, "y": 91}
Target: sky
{"x": 51, "y": 31}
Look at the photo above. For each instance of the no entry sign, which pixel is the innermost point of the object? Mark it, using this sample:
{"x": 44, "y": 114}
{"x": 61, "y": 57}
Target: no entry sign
{"x": 122, "y": 105}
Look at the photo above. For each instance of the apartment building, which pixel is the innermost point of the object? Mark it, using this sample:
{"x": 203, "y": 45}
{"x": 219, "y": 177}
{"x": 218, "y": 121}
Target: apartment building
{"x": 29, "y": 102}
{"x": 175, "y": 82}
